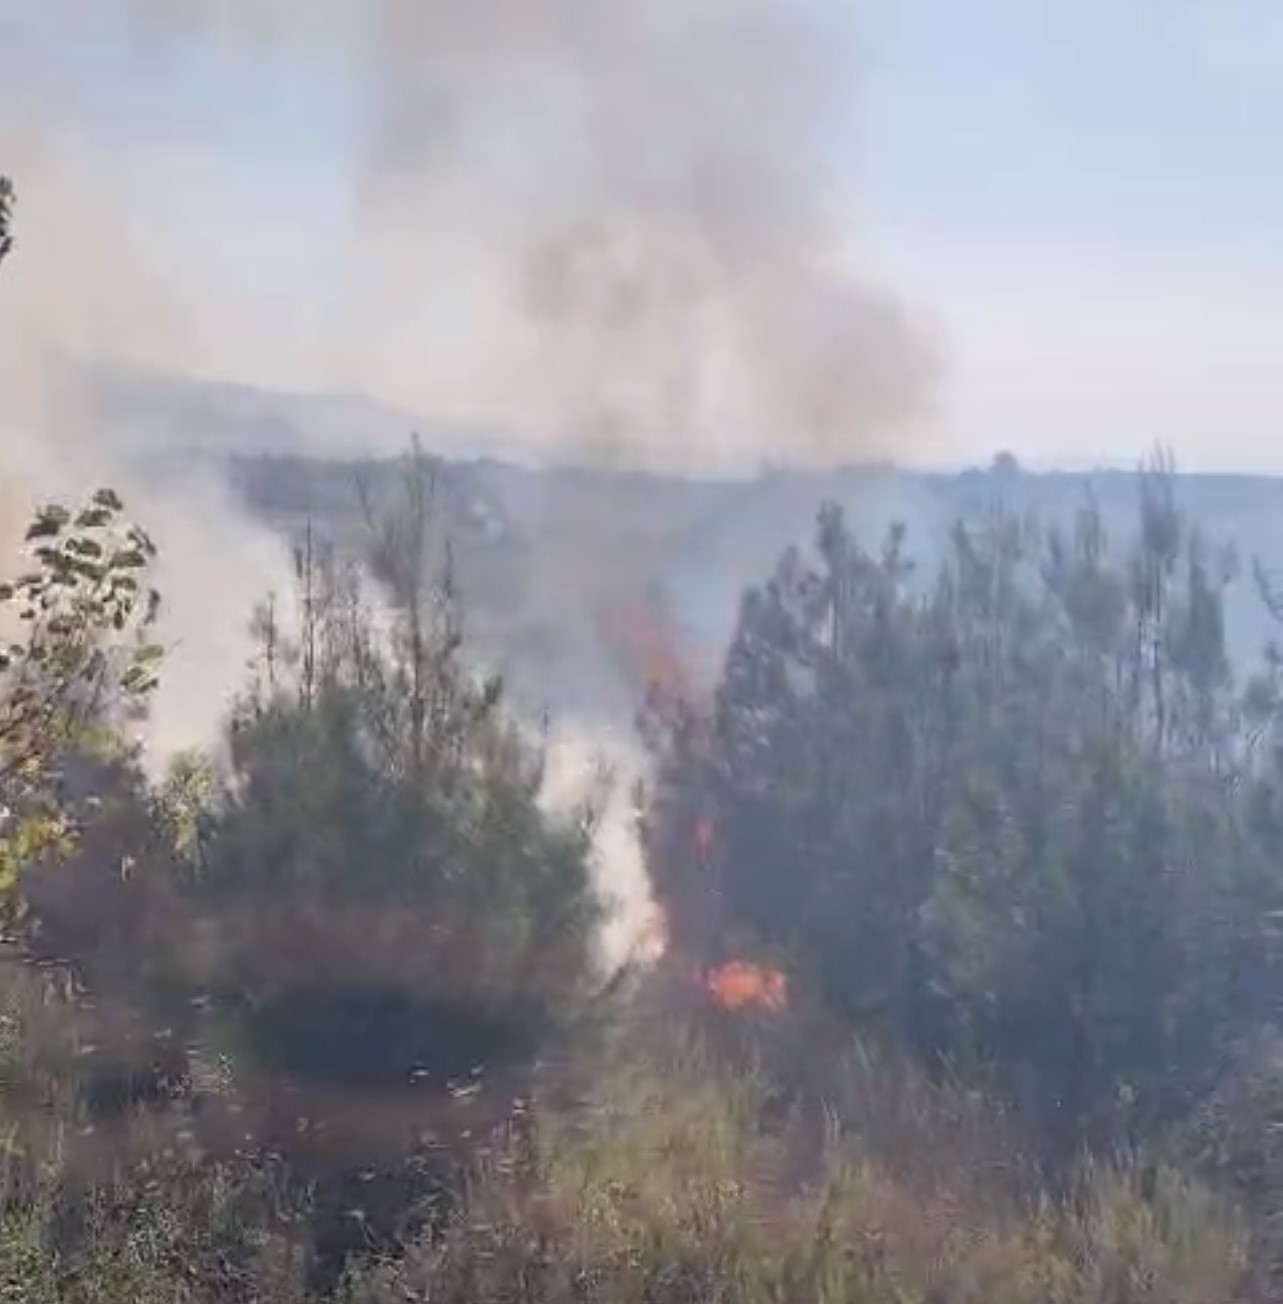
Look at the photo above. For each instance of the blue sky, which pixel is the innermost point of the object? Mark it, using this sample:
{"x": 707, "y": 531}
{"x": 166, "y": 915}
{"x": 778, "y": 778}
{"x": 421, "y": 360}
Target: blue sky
{"x": 1081, "y": 197}
{"x": 1086, "y": 193}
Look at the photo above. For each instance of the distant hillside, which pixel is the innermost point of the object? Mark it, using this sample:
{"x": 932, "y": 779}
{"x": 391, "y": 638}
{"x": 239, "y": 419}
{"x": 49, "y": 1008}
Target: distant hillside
{"x": 541, "y": 550}
{"x": 541, "y": 553}
{"x": 158, "y": 416}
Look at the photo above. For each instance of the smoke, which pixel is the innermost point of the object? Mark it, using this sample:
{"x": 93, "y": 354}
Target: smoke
{"x": 612, "y": 227}
{"x": 214, "y": 567}
{"x": 76, "y": 281}
{"x": 585, "y": 767}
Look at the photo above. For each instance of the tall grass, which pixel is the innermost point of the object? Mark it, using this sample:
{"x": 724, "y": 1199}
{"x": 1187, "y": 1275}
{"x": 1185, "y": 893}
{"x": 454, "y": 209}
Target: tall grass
{"x": 667, "y": 1166}
{"x": 666, "y": 1187}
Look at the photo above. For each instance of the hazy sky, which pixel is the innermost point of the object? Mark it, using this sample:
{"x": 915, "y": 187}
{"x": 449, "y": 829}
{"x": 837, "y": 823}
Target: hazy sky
{"x": 1081, "y": 196}
{"x": 1084, "y": 191}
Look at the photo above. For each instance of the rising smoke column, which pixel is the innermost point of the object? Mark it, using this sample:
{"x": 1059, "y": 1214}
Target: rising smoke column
{"x": 77, "y": 278}
{"x": 623, "y": 211}
{"x": 671, "y": 278}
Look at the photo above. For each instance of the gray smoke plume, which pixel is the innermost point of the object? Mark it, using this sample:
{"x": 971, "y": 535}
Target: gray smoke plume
{"x": 626, "y": 208}
{"x": 609, "y": 227}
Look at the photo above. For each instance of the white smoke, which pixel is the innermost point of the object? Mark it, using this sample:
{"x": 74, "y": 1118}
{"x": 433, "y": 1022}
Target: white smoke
{"x": 590, "y": 767}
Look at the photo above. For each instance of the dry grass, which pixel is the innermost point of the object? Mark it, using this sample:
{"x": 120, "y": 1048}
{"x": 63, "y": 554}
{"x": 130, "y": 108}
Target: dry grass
{"x": 662, "y": 1171}
{"x": 665, "y": 1188}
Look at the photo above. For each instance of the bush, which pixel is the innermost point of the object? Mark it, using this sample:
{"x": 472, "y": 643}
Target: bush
{"x": 78, "y": 666}
{"x": 379, "y": 896}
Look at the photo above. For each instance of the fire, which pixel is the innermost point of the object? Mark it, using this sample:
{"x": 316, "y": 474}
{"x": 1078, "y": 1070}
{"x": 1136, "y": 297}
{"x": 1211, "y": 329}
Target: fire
{"x": 648, "y": 646}
{"x": 740, "y": 985}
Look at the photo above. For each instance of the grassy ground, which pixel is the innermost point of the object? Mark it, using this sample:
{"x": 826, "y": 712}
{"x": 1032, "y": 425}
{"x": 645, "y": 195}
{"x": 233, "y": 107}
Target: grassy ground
{"x": 669, "y": 1167}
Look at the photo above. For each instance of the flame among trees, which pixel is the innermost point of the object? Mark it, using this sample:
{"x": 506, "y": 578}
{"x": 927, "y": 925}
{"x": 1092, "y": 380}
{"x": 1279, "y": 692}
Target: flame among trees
{"x": 1021, "y": 818}
{"x": 1019, "y": 814}
{"x": 646, "y": 641}
{"x": 739, "y": 985}
{"x": 682, "y": 842}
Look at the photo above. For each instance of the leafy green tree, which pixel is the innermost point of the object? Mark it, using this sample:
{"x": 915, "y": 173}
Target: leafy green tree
{"x": 74, "y": 654}
{"x": 76, "y": 663}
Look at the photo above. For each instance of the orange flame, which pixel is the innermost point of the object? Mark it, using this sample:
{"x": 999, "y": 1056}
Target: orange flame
{"x": 648, "y": 645}
{"x": 740, "y": 985}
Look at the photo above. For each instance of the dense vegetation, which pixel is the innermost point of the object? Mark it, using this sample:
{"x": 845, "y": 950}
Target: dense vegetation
{"x": 1026, "y": 824}
{"x": 315, "y": 1016}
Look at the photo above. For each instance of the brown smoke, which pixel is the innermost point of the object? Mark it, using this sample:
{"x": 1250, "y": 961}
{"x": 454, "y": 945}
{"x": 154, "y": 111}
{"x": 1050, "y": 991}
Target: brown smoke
{"x": 624, "y": 207}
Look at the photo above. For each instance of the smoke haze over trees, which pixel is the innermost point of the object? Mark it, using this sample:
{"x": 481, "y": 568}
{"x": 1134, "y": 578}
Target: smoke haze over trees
{"x": 590, "y": 880}
{"x": 1006, "y": 834}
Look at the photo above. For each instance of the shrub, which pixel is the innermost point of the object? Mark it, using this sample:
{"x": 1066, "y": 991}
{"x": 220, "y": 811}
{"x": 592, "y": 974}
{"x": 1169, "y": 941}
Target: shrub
{"x": 378, "y": 898}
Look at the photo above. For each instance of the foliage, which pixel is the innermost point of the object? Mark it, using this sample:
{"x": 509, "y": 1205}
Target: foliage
{"x": 1019, "y": 818}
{"x": 369, "y": 882}
{"x": 1236, "y": 1138}
{"x": 670, "y": 1181}
{"x": 78, "y": 665}
{"x": 162, "y": 1230}
{"x": 6, "y": 217}
{"x": 378, "y": 845}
